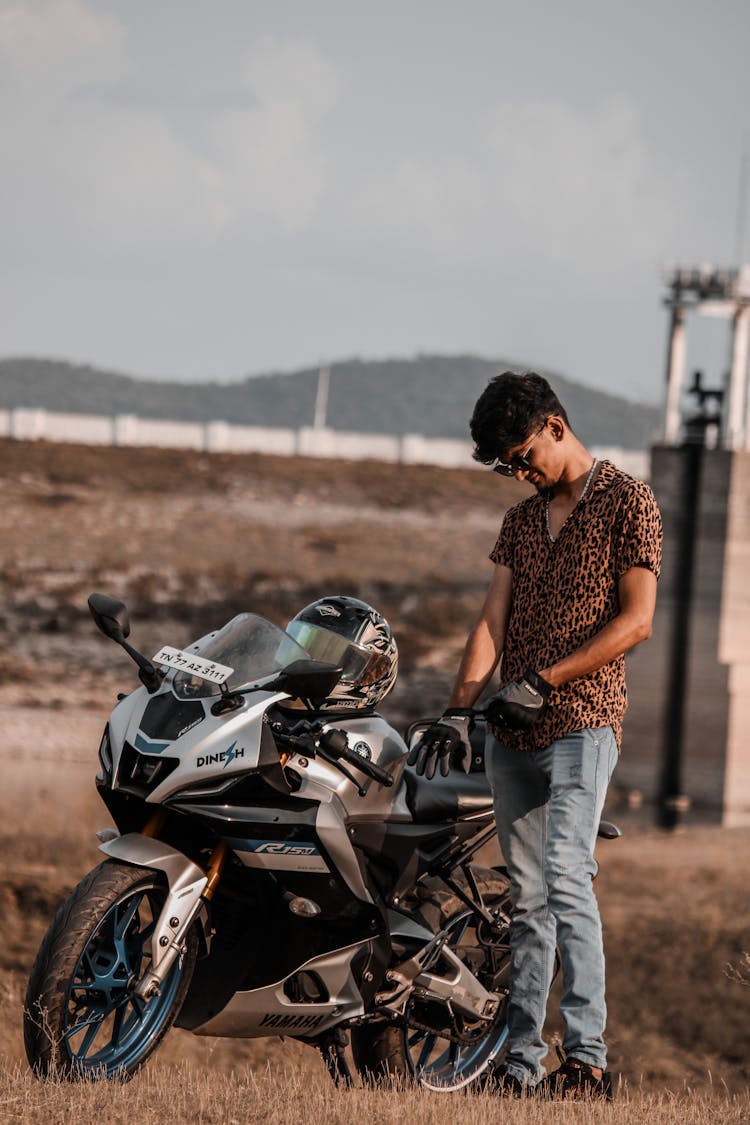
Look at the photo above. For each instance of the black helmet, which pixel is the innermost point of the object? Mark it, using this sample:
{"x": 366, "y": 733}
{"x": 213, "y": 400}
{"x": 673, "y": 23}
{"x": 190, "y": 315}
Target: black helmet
{"x": 350, "y": 633}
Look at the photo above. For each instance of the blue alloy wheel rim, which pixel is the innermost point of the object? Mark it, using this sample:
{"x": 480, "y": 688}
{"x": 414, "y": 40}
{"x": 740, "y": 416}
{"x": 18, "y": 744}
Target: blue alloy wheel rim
{"x": 107, "y": 1028}
{"x": 440, "y": 1064}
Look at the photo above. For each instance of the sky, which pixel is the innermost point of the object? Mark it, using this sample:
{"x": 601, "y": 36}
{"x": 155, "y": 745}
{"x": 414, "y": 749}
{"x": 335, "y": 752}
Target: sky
{"x": 205, "y": 191}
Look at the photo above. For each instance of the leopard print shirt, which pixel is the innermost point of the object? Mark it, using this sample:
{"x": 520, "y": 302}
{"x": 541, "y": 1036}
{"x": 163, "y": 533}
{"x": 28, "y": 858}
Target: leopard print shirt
{"x": 565, "y": 591}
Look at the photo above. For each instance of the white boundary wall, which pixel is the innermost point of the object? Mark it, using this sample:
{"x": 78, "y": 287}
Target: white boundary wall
{"x": 224, "y": 437}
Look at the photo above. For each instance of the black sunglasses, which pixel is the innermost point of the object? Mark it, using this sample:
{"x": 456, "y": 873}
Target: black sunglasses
{"x": 519, "y": 463}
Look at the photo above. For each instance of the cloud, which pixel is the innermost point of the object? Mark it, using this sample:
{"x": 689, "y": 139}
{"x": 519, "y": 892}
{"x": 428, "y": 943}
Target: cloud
{"x": 109, "y": 157}
{"x": 96, "y": 167}
{"x": 61, "y": 41}
{"x": 218, "y": 183}
{"x": 580, "y": 181}
{"x": 270, "y": 152}
{"x": 534, "y": 185}
{"x": 289, "y": 70}
{"x": 427, "y": 205}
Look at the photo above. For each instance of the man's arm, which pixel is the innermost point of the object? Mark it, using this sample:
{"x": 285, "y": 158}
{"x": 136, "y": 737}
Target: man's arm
{"x": 637, "y": 595}
{"x": 486, "y": 640}
{"x": 484, "y": 647}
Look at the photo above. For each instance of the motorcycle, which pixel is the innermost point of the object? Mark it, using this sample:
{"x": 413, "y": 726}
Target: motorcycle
{"x": 275, "y": 871}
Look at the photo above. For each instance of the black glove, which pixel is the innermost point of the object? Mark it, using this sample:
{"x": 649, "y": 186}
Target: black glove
{"x": 520, "y": 703}
{"x": 438, "y": 742}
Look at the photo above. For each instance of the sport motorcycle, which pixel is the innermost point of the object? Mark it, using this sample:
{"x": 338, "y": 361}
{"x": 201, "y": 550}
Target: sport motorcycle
{"x": 277, "y": 870}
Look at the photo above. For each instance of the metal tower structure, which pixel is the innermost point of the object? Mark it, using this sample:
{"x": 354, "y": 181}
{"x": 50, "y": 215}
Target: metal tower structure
{"x": 710, "y": 292}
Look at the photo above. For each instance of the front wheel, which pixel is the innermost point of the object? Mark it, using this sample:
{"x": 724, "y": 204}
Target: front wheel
{"x": 430, "y": 1046}
{"x": 82, "y": 1018}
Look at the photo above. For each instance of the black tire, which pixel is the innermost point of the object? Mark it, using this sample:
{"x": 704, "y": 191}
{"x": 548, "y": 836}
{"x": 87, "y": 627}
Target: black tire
{"x": 384, "y": 1051}
{"x": 81, "y": 1018}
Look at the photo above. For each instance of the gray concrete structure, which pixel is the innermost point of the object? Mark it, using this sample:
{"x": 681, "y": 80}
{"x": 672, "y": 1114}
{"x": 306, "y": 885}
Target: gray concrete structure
{"x": 715, "y": 773}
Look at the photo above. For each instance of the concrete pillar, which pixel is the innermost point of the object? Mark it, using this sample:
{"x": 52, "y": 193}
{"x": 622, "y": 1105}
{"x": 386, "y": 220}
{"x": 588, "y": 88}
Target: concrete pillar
{"x": 734, "y": 651}
{"x": 675, "y": 375}
{"x": 124, "y": 429}
{"x": 216, "y": 436}
{"x": 715, "y": 772}
{"x": 739, "y": 401}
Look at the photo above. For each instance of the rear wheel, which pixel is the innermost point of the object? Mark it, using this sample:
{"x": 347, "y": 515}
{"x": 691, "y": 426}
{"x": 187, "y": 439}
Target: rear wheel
{"x": 82, "y": 1018}
{"x": 432, "y": 1047}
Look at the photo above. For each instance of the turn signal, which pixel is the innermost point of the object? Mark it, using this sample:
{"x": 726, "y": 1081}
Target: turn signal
{"x": 304, "y": 907}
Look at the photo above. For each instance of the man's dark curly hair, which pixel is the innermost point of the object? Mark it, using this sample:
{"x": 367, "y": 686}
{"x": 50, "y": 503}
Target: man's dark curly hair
{"x": 508, "y": 411}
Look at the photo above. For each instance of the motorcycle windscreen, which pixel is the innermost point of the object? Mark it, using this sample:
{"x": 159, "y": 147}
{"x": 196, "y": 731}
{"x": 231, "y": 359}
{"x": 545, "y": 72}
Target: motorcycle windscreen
{"x": 250, "y": 645}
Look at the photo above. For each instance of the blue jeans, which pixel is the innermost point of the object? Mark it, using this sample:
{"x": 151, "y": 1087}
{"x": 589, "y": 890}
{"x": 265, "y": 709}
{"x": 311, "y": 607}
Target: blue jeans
{"x": 547, "y": 806}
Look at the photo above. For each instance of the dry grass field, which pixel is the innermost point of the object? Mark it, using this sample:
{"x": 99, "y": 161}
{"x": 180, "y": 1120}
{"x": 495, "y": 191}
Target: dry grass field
{"x": 187, "y": 540}
{"x": 285, "y": 1095}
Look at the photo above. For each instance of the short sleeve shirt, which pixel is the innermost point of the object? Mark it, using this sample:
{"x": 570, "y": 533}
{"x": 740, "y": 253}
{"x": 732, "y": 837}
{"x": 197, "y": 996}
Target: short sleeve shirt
{"x": 566, "y": 590}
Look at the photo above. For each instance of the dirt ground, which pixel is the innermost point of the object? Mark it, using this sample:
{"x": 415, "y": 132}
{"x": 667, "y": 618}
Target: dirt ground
{"x": 189, "y": 539}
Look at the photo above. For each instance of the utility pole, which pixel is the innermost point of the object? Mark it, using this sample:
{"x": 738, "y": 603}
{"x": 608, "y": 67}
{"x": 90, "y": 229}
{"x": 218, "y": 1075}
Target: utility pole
{"x": 672, "y": 801}
{"x": 321, "y": 398}
{"x": 742, "y": 194}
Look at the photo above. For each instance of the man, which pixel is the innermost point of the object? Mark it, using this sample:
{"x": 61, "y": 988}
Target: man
{"x": 574, "y": 588}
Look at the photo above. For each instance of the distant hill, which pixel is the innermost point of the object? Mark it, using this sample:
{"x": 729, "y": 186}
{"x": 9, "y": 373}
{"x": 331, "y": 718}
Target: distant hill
{"x": 430, "y": 395}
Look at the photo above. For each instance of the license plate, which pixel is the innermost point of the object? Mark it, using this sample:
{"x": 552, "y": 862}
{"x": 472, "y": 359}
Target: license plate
{"x": 193, "y": 665}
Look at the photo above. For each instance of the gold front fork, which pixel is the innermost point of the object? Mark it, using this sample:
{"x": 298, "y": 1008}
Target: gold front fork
{"x": 215, "y": 868}
{"x": 215, "y": 863}
{"x": 155, "y": 823}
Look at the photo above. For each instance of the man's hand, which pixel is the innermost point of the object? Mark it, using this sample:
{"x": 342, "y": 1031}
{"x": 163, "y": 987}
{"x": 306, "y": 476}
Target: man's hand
{"x": 520, "y": 703}
{"x": 438, "y": 742}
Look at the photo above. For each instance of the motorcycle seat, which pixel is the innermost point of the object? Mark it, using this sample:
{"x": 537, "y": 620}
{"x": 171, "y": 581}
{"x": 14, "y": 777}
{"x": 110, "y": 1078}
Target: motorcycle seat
{"x": 446, "y": 798}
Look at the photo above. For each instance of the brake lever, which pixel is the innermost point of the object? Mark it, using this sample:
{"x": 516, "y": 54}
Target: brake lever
{"x": 361, "y": 790}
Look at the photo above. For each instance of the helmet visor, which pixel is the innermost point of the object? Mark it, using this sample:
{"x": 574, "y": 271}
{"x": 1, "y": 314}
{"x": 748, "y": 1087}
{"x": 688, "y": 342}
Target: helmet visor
{"x": 322, "y": 644}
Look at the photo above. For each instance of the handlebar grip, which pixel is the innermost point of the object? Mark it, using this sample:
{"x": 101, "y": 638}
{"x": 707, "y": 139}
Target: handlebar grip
{"x": 377, "y": 773}
{"x": 336, "y": 742}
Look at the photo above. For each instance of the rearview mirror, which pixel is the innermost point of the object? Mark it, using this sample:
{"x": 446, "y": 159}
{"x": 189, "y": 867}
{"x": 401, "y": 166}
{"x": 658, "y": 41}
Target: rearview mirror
{"x": 110, "y": 616}
{"x": 308, "y": 679}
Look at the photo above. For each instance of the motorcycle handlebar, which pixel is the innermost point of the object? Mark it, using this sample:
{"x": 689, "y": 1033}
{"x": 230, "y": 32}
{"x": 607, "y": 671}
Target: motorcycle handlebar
{"x": 337, "y": 744}
{"x": 377, "y": 773}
